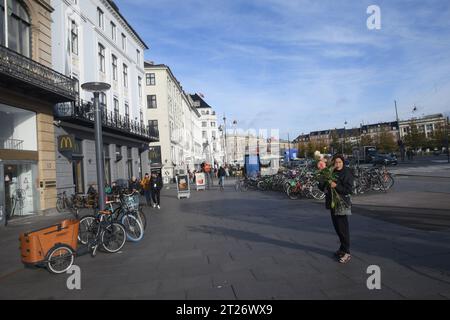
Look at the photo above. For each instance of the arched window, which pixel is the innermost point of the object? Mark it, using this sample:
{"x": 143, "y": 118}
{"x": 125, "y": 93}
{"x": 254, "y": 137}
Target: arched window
{"x": 19, "y": 34}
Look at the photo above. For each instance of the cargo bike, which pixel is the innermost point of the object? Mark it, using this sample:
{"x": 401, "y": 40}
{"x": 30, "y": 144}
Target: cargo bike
{"x": 55, "y": 247}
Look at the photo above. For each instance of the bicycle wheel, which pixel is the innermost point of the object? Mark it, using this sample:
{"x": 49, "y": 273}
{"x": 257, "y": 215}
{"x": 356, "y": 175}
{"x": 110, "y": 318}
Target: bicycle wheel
{"x": 292, "y": 193}
{"x": 60, "y": 259}
{"x": 113, "y": 237}
{"x": 261, "y": 186}
{"x": 142, "y": 218}
{"x": 388, "y": 180}
{"x": 88, "y": 229}
{"x": 244, "y": 186}
{"x": 59, "y": 205}
{"x": 134, "y": 229}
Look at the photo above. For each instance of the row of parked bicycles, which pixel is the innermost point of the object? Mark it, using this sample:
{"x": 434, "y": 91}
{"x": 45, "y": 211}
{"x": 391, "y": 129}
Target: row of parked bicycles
{"x": 55, "y": 247}
{"x": 302, "y": 183}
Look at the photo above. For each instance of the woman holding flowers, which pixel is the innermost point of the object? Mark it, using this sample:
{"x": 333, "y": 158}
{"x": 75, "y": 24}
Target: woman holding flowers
{"x": 337, "y": 182}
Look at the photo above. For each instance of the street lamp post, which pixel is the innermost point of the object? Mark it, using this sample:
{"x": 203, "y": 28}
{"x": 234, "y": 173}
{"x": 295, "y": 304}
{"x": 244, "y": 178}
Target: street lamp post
{"x": 96, "y": 88}
{"x": 226, "y": 145}
{"x": 343, "y": 141}
{"x": 235, "y": 141}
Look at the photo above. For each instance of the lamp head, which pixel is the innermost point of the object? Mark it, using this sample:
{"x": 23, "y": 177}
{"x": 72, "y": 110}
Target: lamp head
{"x": 96, "y": 86}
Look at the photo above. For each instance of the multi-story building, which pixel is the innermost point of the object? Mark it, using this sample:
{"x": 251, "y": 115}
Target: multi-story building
{"x": 426, "y": 124}
{"x": 171, "y": 111}
{"x": 29, "y": 88}
{"x": 93, "y": 42}
{"x": 211, "y": 136}
{"x": 240, "y": 144}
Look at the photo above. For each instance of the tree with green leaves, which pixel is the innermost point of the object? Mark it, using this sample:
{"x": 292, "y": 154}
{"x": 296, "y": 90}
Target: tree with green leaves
{"x": 415, "y": 139}
{"x": 386, "y": 141}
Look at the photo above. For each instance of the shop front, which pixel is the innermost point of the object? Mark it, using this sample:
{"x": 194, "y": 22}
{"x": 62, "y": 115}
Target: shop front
{"x": 18, "y": 162}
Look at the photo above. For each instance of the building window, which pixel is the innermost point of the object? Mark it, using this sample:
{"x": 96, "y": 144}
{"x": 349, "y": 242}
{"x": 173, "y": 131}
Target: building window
{"x": 141, "y": 114}
{"x": 113, "y": 31}
{"x": 124, "y": 42}
{"x": 140, "y": 87}
{"x": 19, "y": 28}
{"x": 74, "y": 38}
{"x": 114, "y": 67}
{"x": 204, "y": 124}
{"x": 213, "y": 124}
{"x": 154, "y": 155}
{"x": 138, "y": 57}
{"x": 153, "y": 127}
{"x": 101, "y": 18}
{"x": 118, "y": 152}
{"x": 102, "y": 100}
{"x": 130, "y": 163}
{"x": 150, "y": 79}
{"x": 101, "y": 57}
{"x": 204, "y": 135}
{"x": 116, "y": 109}
{"x": 151, "y": 102}
{"x": 76, "y": 86}
{"x": 127, "y": 112}
{"x": 125, "y": 76}
{"x": 77, "y": 172}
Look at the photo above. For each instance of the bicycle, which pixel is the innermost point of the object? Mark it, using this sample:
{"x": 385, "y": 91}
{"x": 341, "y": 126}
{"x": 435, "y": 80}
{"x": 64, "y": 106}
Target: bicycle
{"x": 102, "y": 230}
{"x": 63, "y": 203}
{"x": 126, "y": 213}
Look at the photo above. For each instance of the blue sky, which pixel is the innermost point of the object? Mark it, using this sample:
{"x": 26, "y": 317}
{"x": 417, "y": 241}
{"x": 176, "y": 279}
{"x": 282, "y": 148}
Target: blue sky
{"x": 302, "y": 65}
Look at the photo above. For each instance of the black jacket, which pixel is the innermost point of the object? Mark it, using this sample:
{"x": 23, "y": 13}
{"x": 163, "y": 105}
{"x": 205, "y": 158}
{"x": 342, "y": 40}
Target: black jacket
{"x": 344, "y": 187}
{"x": 156, "y": 181}
{"x": 222, "y": 172}
{"x": 134, "y": 185}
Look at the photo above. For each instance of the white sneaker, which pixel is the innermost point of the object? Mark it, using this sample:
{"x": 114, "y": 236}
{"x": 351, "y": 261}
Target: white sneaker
{"x": 159, "y": 207}
{"x": 154, "y": 205}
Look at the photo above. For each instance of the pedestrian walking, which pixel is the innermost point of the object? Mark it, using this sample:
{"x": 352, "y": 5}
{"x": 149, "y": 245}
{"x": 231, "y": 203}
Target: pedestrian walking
{"x": 343, "y": 185}
{"x": 156, "y": 184}
{"x": 145, "y": 184}
{"x": 221, "y": 174}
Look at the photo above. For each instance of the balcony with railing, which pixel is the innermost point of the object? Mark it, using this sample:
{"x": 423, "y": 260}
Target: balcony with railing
{"x": 82, "y": 112}
{"x": 11, "y": 144}
{"x": 33, "y": 78}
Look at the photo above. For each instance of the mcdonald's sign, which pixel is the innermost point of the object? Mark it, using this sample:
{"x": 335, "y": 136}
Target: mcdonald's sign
{"x": 66, "y": 143}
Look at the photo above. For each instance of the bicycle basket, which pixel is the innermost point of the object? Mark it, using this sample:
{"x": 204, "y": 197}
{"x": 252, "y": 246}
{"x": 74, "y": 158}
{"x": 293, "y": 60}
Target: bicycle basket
{"x": 131, "y": 203}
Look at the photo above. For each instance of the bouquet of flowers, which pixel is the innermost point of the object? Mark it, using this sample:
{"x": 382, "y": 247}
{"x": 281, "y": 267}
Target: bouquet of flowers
{"x": 327, "y": 175}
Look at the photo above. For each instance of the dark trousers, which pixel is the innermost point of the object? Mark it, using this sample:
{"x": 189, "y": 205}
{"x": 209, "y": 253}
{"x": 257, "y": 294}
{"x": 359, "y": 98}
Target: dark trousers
{"x": 340, "y": 224}
{"x": 156, "y": 196}
{"x": 148, "y": 196}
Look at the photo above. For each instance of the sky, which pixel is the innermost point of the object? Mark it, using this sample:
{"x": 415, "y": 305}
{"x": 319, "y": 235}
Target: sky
{"x": 302, "y": 65}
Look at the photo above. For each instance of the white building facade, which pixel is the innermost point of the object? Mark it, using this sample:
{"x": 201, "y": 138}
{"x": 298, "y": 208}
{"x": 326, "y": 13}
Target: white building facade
{"x": 170, "y": 111}
{"x": 212, "y": 144}
{"x": 93, "y": 42}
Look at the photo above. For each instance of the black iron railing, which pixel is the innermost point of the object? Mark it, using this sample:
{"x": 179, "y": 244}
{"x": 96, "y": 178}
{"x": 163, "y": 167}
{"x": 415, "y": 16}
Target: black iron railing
{"x": 84, "y": 111}
{"x": 15, "y": 65}
{"x": 11, "y": 144}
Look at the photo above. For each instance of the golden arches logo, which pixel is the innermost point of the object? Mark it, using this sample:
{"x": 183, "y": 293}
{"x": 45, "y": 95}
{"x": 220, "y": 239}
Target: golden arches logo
{"x": 65, "y": 143}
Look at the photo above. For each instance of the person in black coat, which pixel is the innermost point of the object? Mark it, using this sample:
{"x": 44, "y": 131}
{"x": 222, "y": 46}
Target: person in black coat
{"x": 156, "y": 184}
{"x": 344, "y": 187}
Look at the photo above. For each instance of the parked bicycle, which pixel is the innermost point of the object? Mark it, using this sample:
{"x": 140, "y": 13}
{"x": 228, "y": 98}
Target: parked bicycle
{"x": 102, "y": 230}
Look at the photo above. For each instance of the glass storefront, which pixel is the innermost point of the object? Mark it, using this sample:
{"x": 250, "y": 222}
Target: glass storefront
{"x": 19, "y": 178}
{"x": 21, "y": 194}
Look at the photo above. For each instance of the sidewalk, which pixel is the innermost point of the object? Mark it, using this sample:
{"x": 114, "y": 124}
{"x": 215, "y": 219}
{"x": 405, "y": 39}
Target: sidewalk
{"x": 253, "y": 245}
